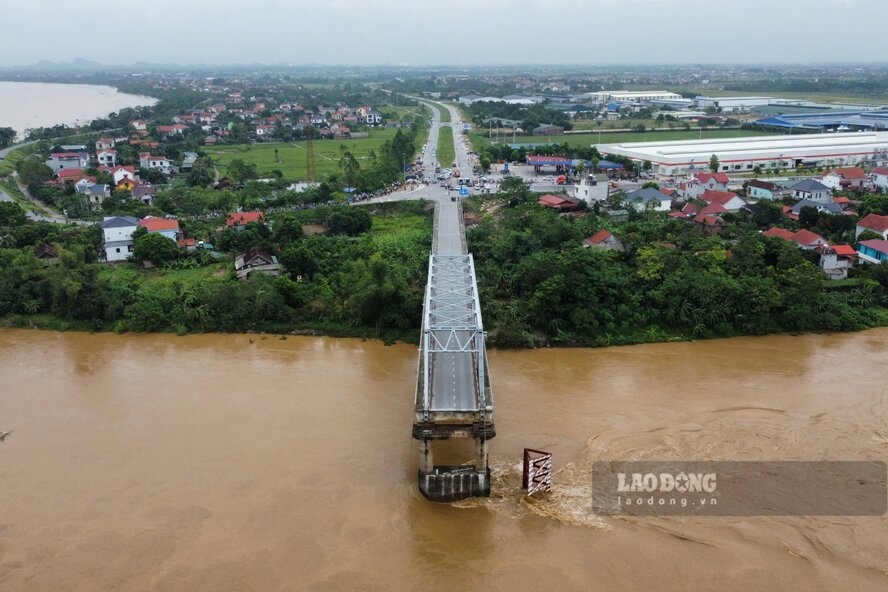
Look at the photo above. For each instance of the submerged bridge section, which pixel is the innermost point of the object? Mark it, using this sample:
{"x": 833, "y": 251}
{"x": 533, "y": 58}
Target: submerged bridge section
{"x": 453, "y": 395}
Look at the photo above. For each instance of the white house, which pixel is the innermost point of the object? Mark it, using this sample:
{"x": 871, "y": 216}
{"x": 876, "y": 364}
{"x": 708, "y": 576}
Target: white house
{"x": 842, "y": 178}
{"x": 649, "y": 197}
{"x": 373, "y": 118}
{"x": 105, "y": 144}
{"x": 117, "y": 237}
{"x": 873, "y": 223}
{"x": 730, "y": 201}
{"x": 107, "y": 157}
{"x": 811, "y": 189}
{"x": 119, "y": 173}
{"x": 591, "y": 189}
{"x": 159, "y": 163}
{"x": 880, "y": 177}
{"x": 61, "y": 161}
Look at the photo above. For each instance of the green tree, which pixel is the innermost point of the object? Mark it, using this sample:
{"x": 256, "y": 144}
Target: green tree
{"x": 286, "y": 229}
{"x": 299, "y": 261}
{"x": 11, "y": 214}
{"x": 7, "y": 136}
{"x": 241, "y": 171}
{"x": 154, "y": 247}
{"x": 713, "y": 163}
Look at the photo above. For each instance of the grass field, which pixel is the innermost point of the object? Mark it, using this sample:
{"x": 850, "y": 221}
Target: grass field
{"x": 130, "y": 274}
{"x": 446, "y": 153}
{"x": 397, "y": 223}
{"x": 479, "y": 141}
{"x": 445, "y": 113}
{"x": 11, "y": 189}
{"x": 7, "y": 166}
{"x": 293, "y": 155}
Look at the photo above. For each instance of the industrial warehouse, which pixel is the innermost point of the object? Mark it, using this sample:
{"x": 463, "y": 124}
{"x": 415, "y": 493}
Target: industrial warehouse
{"x": 766, "y": 152}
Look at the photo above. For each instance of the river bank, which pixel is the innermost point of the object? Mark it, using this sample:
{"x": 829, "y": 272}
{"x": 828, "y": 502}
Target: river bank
{"x": 27, "y": 105}
{"x": 233, "y": 462}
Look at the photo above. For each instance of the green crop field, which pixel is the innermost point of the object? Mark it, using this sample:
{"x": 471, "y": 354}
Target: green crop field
{"x": 293, "y": 155}
{"x": 446, "y": 153}
{"x": 479, "y": 141}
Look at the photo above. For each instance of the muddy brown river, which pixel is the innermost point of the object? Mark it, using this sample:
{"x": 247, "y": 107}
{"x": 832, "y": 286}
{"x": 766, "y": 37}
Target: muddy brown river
{"x": 241, "y": 463}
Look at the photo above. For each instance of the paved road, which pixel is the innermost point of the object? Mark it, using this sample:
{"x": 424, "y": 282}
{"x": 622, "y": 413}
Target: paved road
{"x": 453, "y": 374}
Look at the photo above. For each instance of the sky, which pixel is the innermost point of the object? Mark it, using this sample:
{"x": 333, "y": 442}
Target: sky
{"x": 454, "y": 32}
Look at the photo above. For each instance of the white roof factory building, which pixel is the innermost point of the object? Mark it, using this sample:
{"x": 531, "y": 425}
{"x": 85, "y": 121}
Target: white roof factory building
{"x": 768, "y": 152}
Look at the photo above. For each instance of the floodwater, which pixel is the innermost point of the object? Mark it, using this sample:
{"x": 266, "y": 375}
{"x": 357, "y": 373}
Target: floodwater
{"x": 239, "y": 463}
{"x": 25, "y": 105}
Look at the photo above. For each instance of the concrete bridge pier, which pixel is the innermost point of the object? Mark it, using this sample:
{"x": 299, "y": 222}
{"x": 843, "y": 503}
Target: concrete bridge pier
{"x": 453, "y": 483}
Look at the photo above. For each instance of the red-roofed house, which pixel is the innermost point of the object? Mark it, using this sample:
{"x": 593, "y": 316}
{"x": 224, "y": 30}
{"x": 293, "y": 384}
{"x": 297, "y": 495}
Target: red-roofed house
{"x": 803, "y": 238}
{"x": 836, "y": 260}
{"x": 73, "y": 175}
{"x": 105, "y": 144}
{"x": 120, "y": 173}
{"x": 168, "y": 228}
{"x": 717, "y": 181}
{"x": 808, "y": 240}
{"x": 880, "y": 177}
{"x": 59, "y": 161}
{"x": 844, "y": 178}
{"x": 728, "y": 200}
{"x": 779, "y": 233}
{"x": 710, "y": 224}
{"x": 159, "y": 163}
{"x": 603, "y": 239}
{"x": 239, "y": 220}
{"x": 874, "y": 223}
{"x": 556, "y": 202}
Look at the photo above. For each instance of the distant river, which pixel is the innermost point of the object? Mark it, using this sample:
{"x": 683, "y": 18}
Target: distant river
{"x": 25, "y": 105}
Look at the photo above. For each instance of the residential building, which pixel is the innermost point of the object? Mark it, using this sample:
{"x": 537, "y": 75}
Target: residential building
{"x": 105, "y": 144}
{"x": 836, "y": 260}
{"x": 592, "y": 188}
{"x": 145, "y": 193}
{"x": 164, "y": 226}
{"x": 107, "y": 157}
{"x": 59, "y": 161}
{"x": 256, "y": 261}
{"x": 157, "y": 163}
{"x": 757, "y": 189}
{"x": 873, "y": 223}
{"x": 239, "y": 220}
{"x": 805, "y": 239}
{"x": 824, "y": 207}
{"x": 265, "y": 131}
{"x": 730, "y": 201}
{"x": 373, "y": 118}
{"x": 557, "y": 202}
{"x": 873, "y": 250}
{"x": 121, "y": 173}
{"x": 603, "y": 239}
{"x": 713, "y": 181}
{"x": 642, "y": 199}
{"x": 844, "y": 178}
{"x": 117, "y": 237}
{"x": 811, "y": 189}
{"x": 880, "y": 177}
